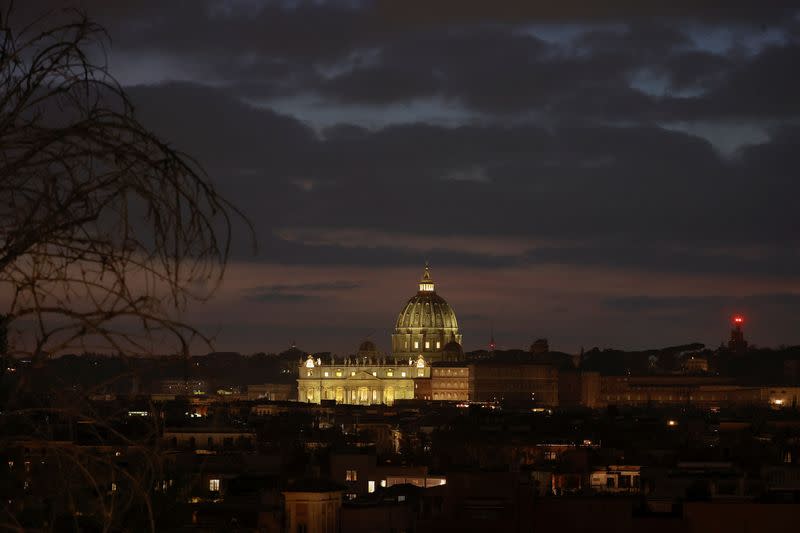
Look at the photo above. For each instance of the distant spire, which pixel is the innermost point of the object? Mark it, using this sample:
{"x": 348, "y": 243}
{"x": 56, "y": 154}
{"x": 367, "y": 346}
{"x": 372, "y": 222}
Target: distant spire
{"x": 491, "y": 339}
{"x": 426, "y": 283}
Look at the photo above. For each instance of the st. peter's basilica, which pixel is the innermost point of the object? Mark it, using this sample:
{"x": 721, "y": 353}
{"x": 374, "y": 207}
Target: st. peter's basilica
{"x": 426, "y": 362}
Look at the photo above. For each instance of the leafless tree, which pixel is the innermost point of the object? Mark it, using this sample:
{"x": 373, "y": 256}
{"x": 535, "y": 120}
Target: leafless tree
{"x": 107, "y": 233}
{"x": 100, "y": 220}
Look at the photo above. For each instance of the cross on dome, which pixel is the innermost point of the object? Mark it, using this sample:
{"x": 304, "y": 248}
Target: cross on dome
{"x": 426, "y": 283}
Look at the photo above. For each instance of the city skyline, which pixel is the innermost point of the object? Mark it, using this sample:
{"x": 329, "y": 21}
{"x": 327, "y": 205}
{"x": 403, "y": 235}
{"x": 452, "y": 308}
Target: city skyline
{"x": 314, "y": 266}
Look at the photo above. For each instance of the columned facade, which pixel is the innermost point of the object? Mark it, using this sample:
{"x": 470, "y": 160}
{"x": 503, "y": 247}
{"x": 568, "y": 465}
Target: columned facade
{"x": 360, "y": 384}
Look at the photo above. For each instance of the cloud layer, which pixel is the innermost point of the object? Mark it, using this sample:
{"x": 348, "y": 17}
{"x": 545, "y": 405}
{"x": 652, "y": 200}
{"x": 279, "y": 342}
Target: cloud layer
{"x": 651, "y": 143}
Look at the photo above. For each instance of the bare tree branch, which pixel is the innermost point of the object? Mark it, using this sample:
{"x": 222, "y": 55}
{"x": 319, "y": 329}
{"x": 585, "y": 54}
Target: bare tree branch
{"x": 107, "y": 234}
{"x": 94, "y": 208}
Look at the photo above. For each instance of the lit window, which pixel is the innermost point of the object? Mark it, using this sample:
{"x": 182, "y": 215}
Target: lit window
{"x": 339, "y": 373}
{"x": 421, "y": 372}
{"x": 113, "y": 487}
{"x": 402, "y": 374}
{"x": 370, "y": 486}
{"x": 374, "y": 373}
{"x": 416, "y": 345}
{"x": 213, "y": 485}
{"x": 383, "y": 483}
{"x": 427, "y": 345}
{"x": 352, "y": 372}
{"x": 308, "y": 374}
{"x": 438, "y": 345}
{"x": 390, "y": 372}
{"x": 351, "y": 475}
{"x": 326, "y": 373}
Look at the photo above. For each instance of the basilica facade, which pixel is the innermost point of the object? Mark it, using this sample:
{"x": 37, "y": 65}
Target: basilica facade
{"x": 426, "y": 333}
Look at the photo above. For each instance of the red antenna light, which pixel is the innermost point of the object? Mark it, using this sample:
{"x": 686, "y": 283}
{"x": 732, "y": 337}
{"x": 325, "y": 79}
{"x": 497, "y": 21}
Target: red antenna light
{"x": 738, "y": 319}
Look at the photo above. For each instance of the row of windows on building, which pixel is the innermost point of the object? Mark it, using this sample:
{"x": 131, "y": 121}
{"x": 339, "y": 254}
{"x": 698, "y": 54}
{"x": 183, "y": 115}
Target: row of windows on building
{"x": 389, "y": 373}
{"x": 663, "y": 398}
{"x": 449, "y": 384}
{"x": 361, "y": 394}
{"x": 448, "y": 372}
{"x": 450, "y": 396}
{"x": 427, "y": 345}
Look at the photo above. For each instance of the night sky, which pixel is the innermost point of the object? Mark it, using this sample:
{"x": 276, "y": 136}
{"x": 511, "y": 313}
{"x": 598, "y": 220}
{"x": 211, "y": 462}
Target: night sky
{"x": 597, "y": 176}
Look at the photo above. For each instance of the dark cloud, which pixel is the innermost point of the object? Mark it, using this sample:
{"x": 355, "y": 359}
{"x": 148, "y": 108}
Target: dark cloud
{"x": 636, "y": 304}
{"x": 696, "y": 69}
{"x": 638, "y": 196}
{"x": 762, "y": 87}
{"x": 588, "y": 133}
{"x": 280, "y": 297}
{"x": 515, "y": 11}
{"x": 314, "y": 287}
{"x": 641, "y": 39}
{"x": 356, "y": 53}
{"x": 497, "y": 71}
{"x": 299, "y": 292}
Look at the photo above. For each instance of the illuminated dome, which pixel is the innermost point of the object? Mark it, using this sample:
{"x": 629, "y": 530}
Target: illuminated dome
{"x": 426, "y": 324}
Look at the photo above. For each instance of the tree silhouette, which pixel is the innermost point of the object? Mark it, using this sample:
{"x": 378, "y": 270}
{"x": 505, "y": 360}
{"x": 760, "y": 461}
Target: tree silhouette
{"x": 103, "y": 226}
{"x": 107, "y": 233}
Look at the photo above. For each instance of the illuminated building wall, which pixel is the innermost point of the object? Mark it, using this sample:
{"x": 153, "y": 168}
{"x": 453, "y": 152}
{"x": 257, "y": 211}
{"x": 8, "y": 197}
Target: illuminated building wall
{"x": 449, "y": 383}
{"x": 359, "y": 384}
